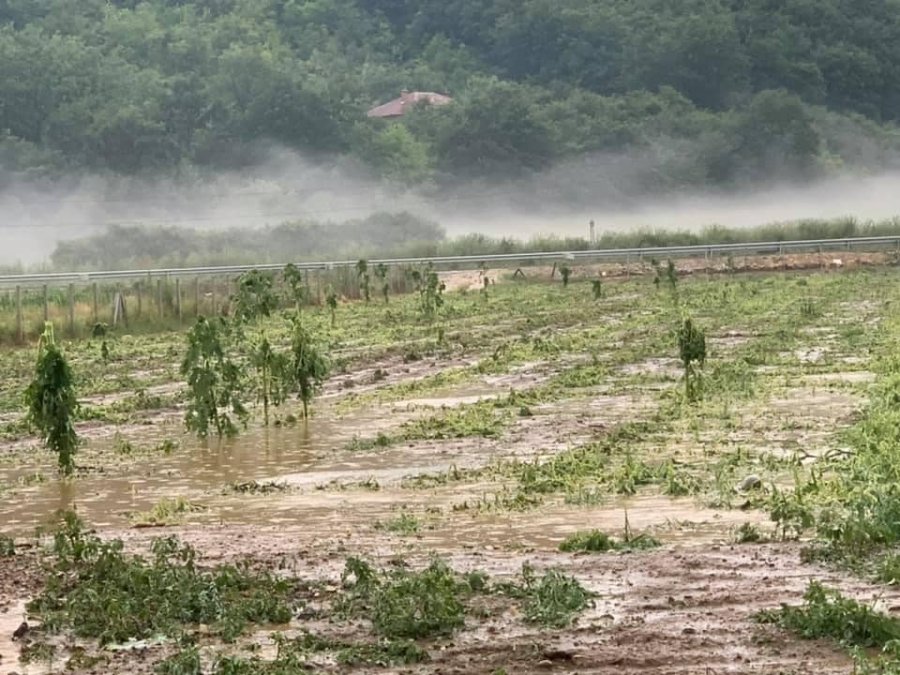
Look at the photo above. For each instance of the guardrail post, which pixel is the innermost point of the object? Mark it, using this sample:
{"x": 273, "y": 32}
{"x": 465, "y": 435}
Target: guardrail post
{"x": 96, "y": 303}
{"x": 159, "y": 298}
{"x": 139, "y": 291}
{"x": 72, "y": 310}
{"x": 46, "y": 303}
{"x": 20, "y": 328}
{"x": 197, "y": 296}
{"x": 213, "y": 299}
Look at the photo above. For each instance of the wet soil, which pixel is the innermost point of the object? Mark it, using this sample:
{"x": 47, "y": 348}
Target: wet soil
{"x": 685, "y": 608}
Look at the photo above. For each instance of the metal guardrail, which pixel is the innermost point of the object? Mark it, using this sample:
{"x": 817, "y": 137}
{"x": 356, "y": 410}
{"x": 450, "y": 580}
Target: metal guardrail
{"x": 747, "y": 248}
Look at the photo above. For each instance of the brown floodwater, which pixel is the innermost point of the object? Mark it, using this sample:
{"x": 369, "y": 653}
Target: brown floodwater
{"x": 106, "y": 493}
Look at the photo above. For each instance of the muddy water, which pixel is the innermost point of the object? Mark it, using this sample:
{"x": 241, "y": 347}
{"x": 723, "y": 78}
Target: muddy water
{"x": 105, "y": 498}
{"x": 9, "y": 650}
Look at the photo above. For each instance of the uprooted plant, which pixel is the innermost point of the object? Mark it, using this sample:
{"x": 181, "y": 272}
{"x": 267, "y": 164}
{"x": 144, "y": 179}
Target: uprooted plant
{"x": 95, "y": 590}
{"x": 51, "y": 401}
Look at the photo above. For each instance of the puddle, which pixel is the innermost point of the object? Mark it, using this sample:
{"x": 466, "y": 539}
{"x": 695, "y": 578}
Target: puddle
{"x": 671, "y": 520}
{"x": 104, "y": 499}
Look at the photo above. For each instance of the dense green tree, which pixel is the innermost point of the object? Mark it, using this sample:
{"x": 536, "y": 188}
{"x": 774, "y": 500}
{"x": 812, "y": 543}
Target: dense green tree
{"x": 138, "y": 86}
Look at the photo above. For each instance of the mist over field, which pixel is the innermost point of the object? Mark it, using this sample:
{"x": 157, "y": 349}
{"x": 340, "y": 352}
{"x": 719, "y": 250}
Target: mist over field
{"x": 561, "y": 202}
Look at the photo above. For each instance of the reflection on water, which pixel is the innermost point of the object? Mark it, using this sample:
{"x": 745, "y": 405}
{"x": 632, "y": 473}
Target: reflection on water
{"x": 105, "y": 499}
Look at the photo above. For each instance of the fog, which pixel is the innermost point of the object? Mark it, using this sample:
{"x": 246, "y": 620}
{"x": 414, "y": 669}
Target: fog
{"x": 612, "y": 191}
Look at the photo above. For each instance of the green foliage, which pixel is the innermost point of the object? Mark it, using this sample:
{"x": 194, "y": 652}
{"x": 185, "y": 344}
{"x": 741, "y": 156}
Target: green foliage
{"x": 565, "y": 272}
{"x": 672, "y": 276}
{"x": 748, "y": 533}
{"x": 165, "y": 512}
{"x": 596, "y": 541}
{"x": 828, "y": 614}
{"x": 308, "y": 365}
{"x": 692, "y": 352}
{"x": 553, "y": 600}
{"x": 51, "y": 402}
{"x": 296, "y": 285}
{"x": 362, "y": 274}
{"x": 404, "y": 604}
{"x": 185, "y": 662}
{"x": 332, "y": 301}
{"x": 753, "y": 90}
{"x": 405, "y": 524}
{"x": 381, "y": 273}
{"x": 255, "y": 298}
{"x": 273, "y": 375}
{"x": 214, "y": 382}
{"x": 96, "y": 591}
{"x": 597, "y": 289}
{"x": 7, "y": 547}
{"x": 430, "y": 290}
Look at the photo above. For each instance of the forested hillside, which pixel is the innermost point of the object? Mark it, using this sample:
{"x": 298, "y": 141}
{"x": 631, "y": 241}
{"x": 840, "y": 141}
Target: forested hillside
{"x": 711, "y": 91}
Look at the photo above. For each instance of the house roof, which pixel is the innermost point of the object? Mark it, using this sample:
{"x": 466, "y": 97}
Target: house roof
{"x": 399, "y": 106}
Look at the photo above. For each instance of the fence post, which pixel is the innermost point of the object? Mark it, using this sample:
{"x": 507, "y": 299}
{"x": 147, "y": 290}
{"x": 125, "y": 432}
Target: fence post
{"x": 138, "y": 288}
{"x": 159, "y": 302}
{"x": 72, "y": 310}
{"x": 46, "y": 303}
{"x": 20, "y": 328}
{"x": 96, "y": 303}
{"x": 178, "y": 297}
{"x": 197, "y": 296}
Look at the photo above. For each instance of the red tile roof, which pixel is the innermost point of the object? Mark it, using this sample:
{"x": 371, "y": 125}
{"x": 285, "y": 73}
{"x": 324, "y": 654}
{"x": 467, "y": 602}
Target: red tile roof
{"x": 399, "y": 106}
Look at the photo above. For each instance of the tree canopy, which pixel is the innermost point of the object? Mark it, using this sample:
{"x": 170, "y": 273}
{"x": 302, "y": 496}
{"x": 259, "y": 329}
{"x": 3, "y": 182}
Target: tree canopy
{"x": 742, "y": 89}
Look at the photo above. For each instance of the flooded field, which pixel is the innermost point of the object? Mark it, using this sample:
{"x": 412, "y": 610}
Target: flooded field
{"x": 517, "y": 481}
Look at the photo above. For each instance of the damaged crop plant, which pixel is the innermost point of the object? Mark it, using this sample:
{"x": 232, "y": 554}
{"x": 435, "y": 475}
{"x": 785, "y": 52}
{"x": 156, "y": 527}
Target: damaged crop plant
{"x": 51, "y": 401}
{"x": 95, "y": 590}
{"x": 230, "y": 361}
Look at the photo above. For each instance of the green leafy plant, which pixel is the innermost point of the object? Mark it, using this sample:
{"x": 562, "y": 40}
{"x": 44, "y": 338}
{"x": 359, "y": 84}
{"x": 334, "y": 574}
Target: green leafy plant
{"x": 828, "y": 614}
{"x": 185, "y": 662}
{"x": 215, "y": 382}
{"x": 95, "y": 590}
{"x": 405, "y": 604}
{"x": 296, "y": 285}
{"x": 362, "y": 275}
{"x": 596, "y": 541}
{"x": 597, "y": 289}
{"x": 273, "y": 375}
{"x": 51, "y": 401}
{"x": 7, "y": 547}
{"x": 552, "y": 600}
{"x": 692, "y": 352}
{"x": 332, "y": 301}
{"x": 672, "y": 276}
{"x": 164, "y": 513}
{"x": 565, "y": 272}
{"x": 308, "y": 367}
{"x": 255, "y": 296}
{"x": 381, "y": 273}
{"x": 405, "y": 524}
{"x": 430, "y": 290}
